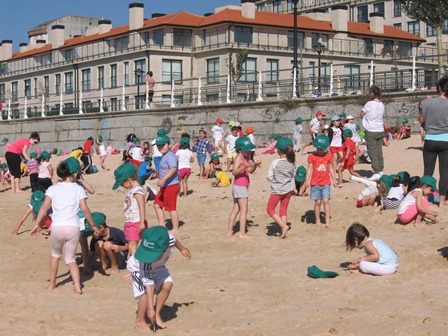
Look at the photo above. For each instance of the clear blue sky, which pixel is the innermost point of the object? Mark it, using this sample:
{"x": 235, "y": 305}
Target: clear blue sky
{"x": 18, "y": 16}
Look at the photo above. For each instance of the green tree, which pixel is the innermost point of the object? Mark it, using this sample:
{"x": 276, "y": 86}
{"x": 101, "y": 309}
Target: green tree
{"x": 433, "y": 13}
{"x": 236, "y": 66}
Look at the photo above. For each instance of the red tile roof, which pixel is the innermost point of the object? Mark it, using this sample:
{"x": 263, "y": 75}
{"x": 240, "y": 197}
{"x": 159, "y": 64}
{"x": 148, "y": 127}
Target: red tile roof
{"x": 184, "y": 19}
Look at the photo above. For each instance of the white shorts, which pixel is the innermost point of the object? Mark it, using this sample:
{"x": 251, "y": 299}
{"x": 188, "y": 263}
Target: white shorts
{"x": 160, "y": 276}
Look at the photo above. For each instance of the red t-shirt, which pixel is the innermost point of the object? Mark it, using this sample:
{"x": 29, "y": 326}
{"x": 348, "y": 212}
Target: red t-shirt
{"x": 321, "y": 169}
{"x": 17, "y": 147}
{"x": 88, "y": 146}
{"x": 348, "y": 163}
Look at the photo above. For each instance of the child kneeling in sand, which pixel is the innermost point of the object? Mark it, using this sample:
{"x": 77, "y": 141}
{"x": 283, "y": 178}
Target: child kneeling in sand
{"x": 150, "y": 276}
{"x": 108, "y": 243}
{"x": 380, "y": 259}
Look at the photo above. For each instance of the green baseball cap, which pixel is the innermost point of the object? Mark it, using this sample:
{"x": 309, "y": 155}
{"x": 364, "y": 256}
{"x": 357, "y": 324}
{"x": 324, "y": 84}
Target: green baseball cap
{"x": 161, "y": 132}
{"x": 231, "y": 123}
{"x": 215, "y": 156}
{"x": 342, "y": 114}
{"x": 33, "y": 155}
{"x": 37, "y": 199}
{"x": 274, "y": 136}
{"x": 185, "y": 142}
{"x": 4, "y": 165}
{"x": 123, "y": 172}
{"x": 300, "y": 174}
{"x": 348, "y": 133}
{"x": 161, "y": 140}
{"x": 429, "y": 180}
{"x": 98, "y": 218}
{"x": 284, "y": 143}
{"x": 45, "y": 155}
{"x": 73, "y": 165}
{"x": 147, "y": 158}
{"x": 155, "y": 241}
{"x": 299, "y": 120}
{"x": 405, "y": 120}
{"x": 244, "y": 144}
{"x": 100, "y": 138}
{"x": 5, "y": 140}
{"x": 321, "y": 141}
{"x": 404, "y": 176}
{"x": 136, "y": 140}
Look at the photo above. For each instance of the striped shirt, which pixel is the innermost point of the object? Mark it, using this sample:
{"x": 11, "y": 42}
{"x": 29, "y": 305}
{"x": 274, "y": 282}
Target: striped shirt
{"x": 281, "y": 175}
{"x": 33, "y": 166}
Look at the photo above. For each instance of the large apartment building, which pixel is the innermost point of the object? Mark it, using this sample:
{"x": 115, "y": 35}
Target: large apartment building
{"x": 191, "y": 57}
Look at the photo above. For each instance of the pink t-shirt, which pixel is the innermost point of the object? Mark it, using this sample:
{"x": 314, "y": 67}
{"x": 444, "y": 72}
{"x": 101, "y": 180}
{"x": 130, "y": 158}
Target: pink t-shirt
{"x": 242, "y": 179}
{"x": 17, "y": 147}
{"x": 150, "y": 83}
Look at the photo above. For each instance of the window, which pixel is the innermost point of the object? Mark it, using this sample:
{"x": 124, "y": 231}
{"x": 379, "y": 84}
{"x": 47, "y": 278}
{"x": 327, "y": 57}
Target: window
{"x": 114, "y": 104}
{"x": 126, "y": 73}
{"x": 388, "y": 46}
{"x": 69, "y": 82}
{"x": 430, "y": 31}
{"x": 368, "y": 46}
{"x": 14, "y": 90}
{"x": 27, "y": 85}
{"x": 121, "y": 43}
{"x": 351, "y": 76}
{"x": 47, "y": 85}
{"x": 404, "y": 49}
{"x": 113, "y": 76}
{"x": 378, "y": 7}
{"x": 289, "y": 5}
{"x": 57, "y": 80}
{"x": 445, "y": 27}
{"x": 140, "y": 64}
{"x": 277, "y": 6}
{"x": 158, "y": 36}
{"x": 101, "y": 77}
{"x": 261, "y": 7}
{"x": 182, "y": 37}
{"x": 363, "y": 14}
{"x": 2, "y": 92}
{"x": 243, "y": 34}
{"x": 414, "y": 27}
{"x": 172, "y": 70}
{"x": 300, "y": 39}
{"x": 311, "y": 72}
{"x": 271, "y": 70}
{"x": 86, "y": 80}
{"x": 68, "y": 54}
{"x": 249, "y": 70}
{"x": 397, "y": 8}
{"x": 324, "y": 40}
{"x": 178, "y": 100}
{"x": 398, "y": 25}
{"x": 314, "y": 39}
{"x": 35, "y": 87}
{"x": 213, "y": 70}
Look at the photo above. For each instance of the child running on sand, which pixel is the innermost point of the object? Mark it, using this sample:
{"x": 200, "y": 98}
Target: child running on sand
{"x": 186, "y": 158}
{"x": 202, "y": 147}
{"x": 319, "y": 175}
{"x": 281, "y": 174}
{"x": 348, "y": 155}
{"x": 134, "y": 204}
{"x": 242, "y": 167}
{"x": 415, "y": 207}
{"x": 102, "y": 152}
{"x": 150, "y": 276}
{"x": 380, "y": 259}
{"x": 315, "y": 128}
{"x": 37, "y": 199}
{"x": 336, "y": 143}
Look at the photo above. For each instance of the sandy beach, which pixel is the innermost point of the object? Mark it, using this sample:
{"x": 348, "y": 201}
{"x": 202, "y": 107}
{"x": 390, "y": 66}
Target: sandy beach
{"x": 232, "y": 286}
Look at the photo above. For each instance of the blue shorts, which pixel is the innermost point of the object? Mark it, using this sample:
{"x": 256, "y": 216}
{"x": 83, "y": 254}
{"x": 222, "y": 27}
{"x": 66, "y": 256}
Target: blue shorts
{"x": 320, "y": 192}
{"x": 156, "y": 161}
{"x": 201, "y": 158}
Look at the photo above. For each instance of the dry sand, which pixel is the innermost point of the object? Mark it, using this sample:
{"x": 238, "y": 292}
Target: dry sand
{"x": 240, "y": 287}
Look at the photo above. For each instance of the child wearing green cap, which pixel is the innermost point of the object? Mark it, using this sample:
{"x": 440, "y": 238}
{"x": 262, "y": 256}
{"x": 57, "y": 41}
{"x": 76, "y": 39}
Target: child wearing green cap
{"x": 319, "y": 176}
{"x": 214, "y": 164}
{"x": 281, "y": 174}
{"x": 150, "y": 276}
{"x": 404, "y": 131}
{"x": 36, "y": 201}
{"x": 415, "y": 207}
{"x": 297, "y": 134}
{"x": 102, "y": 152}
{"x": 186, "y": 158}
{"x": 136, "y": 153}
{"x": 348, "y": 155}
{"x": 301, "y": 187}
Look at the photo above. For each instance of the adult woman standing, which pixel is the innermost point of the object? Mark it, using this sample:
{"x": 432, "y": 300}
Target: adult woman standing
{"x": 12, "y": 156}
{"x": 373, "y": 122}
{"x": 434, "y": 117}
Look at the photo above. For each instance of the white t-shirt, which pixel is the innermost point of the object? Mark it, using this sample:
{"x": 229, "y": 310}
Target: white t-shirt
{"x": 251, "y": 137}
{"x": 137, "y": 153}
{"x": 184, "y": 156}
{"x": 43, "y": 170}
{"x": 131, "y": 211}
{"x": 298, "y": 129}
{"x": 396, "y": 192}
{"x": 336, "y": 141}
{"x": 155, "y": 150}
{"x": 315, "y": 125}
{"x": 102, "y": 150}
{"x": 218, "y": 133}
{"x": 231, "y": 139}
{"x": 408, "y": 201}
{"x": 65, "y": 198}
{"x": 373, "y": 119}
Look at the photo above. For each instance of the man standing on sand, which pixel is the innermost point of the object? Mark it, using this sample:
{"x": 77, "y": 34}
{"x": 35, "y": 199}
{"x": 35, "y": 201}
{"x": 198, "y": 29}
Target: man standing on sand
{"x": 150, "y": 86}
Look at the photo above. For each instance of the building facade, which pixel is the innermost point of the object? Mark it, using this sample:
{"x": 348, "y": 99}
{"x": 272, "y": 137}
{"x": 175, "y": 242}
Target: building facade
{"x": 195, "y": 60}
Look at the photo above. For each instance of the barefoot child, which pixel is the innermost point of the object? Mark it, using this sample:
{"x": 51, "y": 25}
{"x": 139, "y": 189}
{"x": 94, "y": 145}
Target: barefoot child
{"x": 371, "y": 194}
{"x": 150, "y": 276}
{"x": 315, "y": 128}
{"x": 102, "y": 152}
{"x": 186, "y": 158}
{"x": 242, "y": 167}
{"x": 348, "y": 155}
{"x": 380, "y": 259}
{"x": 415, "y": 207}
{"x": 319, "y": 175}
{"x": 297, "y": 134}
{"x": 45, "y": 176}
{"x": 229, "y": 146}
{"x": 301, "y": 188}
{"x": 202, "y": 147}
{"x": 281, "y": 174}
{"x": 37, "y": 199}
{"x": 134, "y": 204}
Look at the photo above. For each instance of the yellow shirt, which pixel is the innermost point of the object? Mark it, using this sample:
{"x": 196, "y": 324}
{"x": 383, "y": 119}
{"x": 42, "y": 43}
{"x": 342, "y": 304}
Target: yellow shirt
{"x": 76, "y": 153}
{"x": 223, "y": 178}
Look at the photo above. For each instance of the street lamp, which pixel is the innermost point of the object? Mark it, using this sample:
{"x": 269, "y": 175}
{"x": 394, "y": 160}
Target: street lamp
{"x": 295, "y": 65}
{"x": 318, "y": 48}
{"x": 138, "y": 73}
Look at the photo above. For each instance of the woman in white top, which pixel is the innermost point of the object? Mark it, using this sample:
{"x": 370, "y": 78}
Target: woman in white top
{"x": 66, "y": 198}
{"x": 373, "y": 122}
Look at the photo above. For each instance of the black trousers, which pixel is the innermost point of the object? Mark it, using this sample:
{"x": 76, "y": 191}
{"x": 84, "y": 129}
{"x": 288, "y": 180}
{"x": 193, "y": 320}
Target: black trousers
{"x": 431, "y": 151}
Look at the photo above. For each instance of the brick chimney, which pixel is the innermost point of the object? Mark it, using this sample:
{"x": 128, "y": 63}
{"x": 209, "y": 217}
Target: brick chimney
{"x": 6, "y": 50}
{"x": 339, "y": 18}
{"x": 57, "y": 36}
{"x": 136, "y": 11}
{"x": 248, "y": 9}
{"x": 377, "y": 22}
{"x": 104, "y": 26}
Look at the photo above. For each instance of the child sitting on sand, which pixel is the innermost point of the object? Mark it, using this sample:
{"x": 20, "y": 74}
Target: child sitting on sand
{"x": 380, "y": 259}
{"x": 221, "y": 179}
{"x": 213, "y": 165}
{"x": 415, "y": 207}
{"x": 301, "y": 187}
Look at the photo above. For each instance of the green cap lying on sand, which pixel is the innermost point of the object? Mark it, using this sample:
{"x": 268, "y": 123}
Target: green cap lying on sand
{"x": 316, "y": 273}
